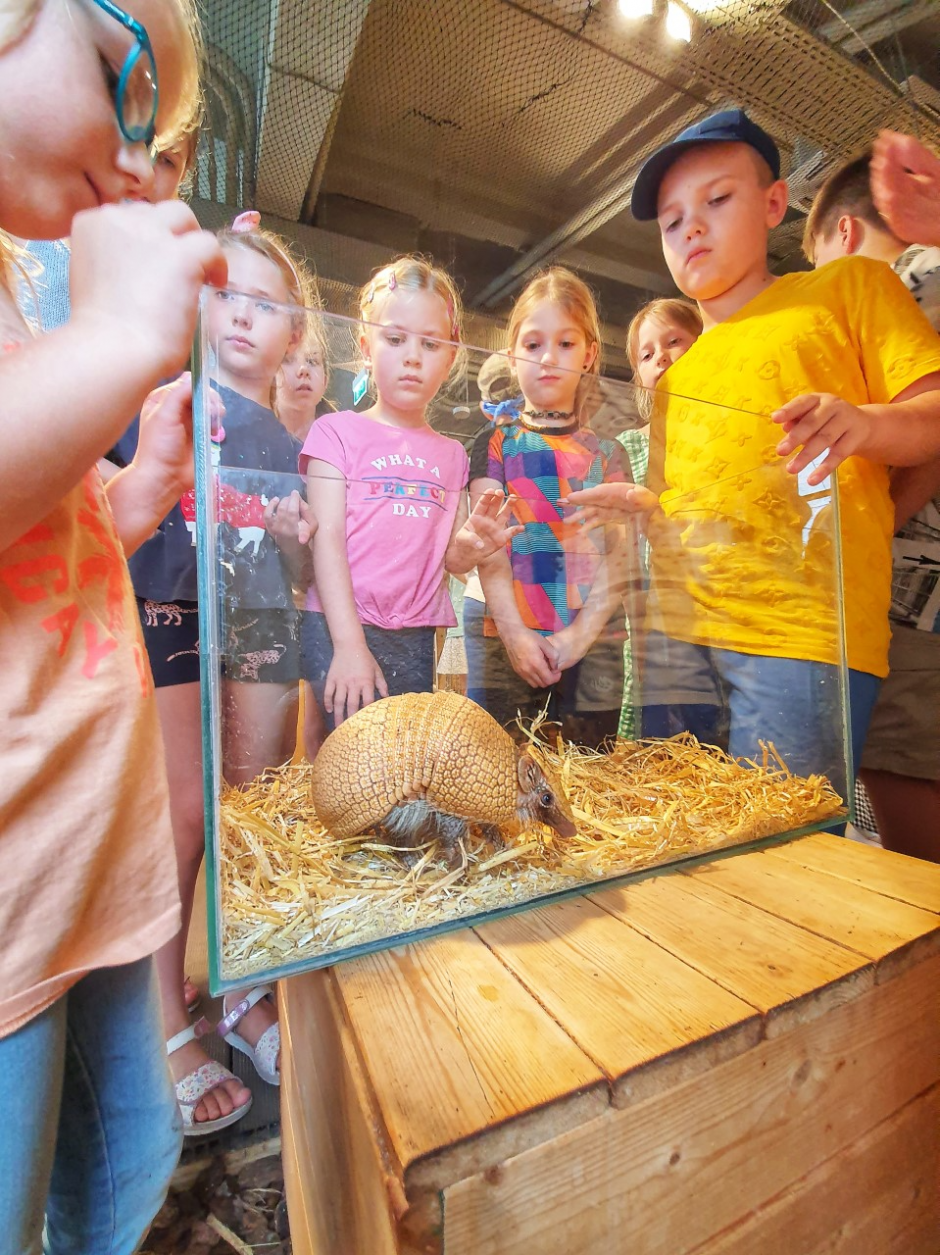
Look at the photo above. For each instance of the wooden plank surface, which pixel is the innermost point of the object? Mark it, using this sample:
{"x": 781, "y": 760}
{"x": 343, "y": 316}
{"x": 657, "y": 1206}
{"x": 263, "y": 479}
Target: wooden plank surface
{"x": 455, "y": 1046}
{"x": 830, "y": 906}
{"x": 879, "y": 1196}
{"x": 666, "y": 1175}
{"x": 341, "y": 1192}
{"x": 762, "y": 959}
{"x": 909, "y": 880}
{"x": 626, "y": 1001}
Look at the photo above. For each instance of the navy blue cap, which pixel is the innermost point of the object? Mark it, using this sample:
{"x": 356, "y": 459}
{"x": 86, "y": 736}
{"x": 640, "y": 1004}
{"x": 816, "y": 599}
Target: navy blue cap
{"x": 731, "y": 126}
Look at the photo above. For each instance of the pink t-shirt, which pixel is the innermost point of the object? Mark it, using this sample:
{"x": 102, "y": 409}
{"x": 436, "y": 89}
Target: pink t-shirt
{"x": 402, "y": 490}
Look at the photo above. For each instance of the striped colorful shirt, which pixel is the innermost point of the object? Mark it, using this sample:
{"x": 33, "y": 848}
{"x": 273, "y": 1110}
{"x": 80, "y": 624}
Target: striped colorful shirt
{"x": 554, "y": 563}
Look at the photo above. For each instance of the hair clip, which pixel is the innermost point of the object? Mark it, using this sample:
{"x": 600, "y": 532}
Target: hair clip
{"x": 247, "y": 221}
{"x": 392, "y": 282}
{"x": 370, "y": 295}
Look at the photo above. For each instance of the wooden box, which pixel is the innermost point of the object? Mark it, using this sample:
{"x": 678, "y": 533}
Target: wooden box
{"x": 740, "y": 1059}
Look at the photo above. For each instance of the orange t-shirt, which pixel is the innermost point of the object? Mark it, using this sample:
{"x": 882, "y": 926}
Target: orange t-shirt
{"x": 86, "y": 850}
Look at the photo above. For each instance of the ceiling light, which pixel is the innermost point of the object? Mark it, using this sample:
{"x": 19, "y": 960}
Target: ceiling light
{"x": 636, "y": 8}
{"x": 678, "y": 24}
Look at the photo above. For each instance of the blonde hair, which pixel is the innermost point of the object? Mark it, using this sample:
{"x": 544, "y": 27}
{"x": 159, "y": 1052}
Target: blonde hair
{"x": 412, "y": 273}
{"x": 667, "y": 309}
{"x": 559, "y": 286}
{"x": 298, "y": 280}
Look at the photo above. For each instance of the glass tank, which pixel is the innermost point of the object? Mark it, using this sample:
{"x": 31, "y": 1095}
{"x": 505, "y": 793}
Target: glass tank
{"x": 439, "y": 684}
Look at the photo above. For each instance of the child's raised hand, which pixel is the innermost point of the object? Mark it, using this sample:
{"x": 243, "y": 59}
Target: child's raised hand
{"x": 165, "y": 444}
{"x": 610, "y": 503}
{"x": 533, "y": 656}
{"x": 821, "y": 423}
{"x": 905, "y": 186}
{"x": 353, "y": 680}
{"x": 489, "y": 526}
{"x": 135, "y": 277}
{"x": 290, "y": 520}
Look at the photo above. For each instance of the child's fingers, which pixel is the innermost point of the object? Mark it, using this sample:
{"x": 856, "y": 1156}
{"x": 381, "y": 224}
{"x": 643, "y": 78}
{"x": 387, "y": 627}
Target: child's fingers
{"x": 380, "y": 683}
{"x": 796, "y": 409}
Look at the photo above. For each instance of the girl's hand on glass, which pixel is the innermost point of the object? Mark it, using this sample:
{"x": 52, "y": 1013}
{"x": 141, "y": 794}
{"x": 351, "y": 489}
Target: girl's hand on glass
{"x": 606, "y": 504}
{"x": 489, "y": 526}
{"x": 533, "y": 657}
{"x": 290, "y": 520}
{"x": 353, "y": 681}
{"x": 136, "y": 274}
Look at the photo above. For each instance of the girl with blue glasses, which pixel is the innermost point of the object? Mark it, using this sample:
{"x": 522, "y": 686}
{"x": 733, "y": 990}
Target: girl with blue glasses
{"x": 90, "y": 1132}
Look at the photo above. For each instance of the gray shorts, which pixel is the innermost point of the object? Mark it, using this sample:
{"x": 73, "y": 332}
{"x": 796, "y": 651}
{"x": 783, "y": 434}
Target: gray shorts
{"x": 904, "y": 736}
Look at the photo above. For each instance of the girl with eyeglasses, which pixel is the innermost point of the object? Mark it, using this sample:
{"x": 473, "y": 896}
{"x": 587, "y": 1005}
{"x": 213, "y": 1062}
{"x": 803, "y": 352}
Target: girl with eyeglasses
{"x": 91, "y": 1126}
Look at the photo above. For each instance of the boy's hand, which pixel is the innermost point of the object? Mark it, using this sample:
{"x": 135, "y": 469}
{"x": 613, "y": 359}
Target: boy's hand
{"x": 353, "y": 680}
{"x": 905, "y": 186}
{"x": 610, "y": 503}
{"x": 532, "y": 656}
{"x": 821, "y": 423}
{"x": 136, "y": 273}
{"x": 290, "y": 520}
{"x": 488, "y": 527}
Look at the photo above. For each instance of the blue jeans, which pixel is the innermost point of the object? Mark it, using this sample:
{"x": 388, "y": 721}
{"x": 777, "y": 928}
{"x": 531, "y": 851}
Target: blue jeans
{"x": 734, "y": 700}
{"x": 92, "y": 1132}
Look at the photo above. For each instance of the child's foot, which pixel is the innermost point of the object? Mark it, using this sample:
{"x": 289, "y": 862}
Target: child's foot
{"x": 250, "y": 1025}
{"x": 210, "y": 1097}
{"x": 191, "y": 995}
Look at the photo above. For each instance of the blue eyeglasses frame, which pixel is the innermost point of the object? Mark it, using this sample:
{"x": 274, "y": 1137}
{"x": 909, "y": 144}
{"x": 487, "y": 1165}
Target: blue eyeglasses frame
{"x": 133, "y": 134}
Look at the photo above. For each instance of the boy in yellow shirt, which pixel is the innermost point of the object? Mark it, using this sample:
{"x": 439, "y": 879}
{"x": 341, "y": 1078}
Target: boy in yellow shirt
{"x": 794, "y": 378}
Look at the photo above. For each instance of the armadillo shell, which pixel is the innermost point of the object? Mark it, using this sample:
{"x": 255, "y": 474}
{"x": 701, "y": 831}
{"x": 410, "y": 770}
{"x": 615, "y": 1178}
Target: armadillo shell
{"x": 441, "y": 747}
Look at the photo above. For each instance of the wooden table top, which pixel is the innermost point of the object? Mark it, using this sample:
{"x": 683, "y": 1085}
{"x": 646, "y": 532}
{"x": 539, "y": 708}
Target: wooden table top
{"x": 479, "y": 1044}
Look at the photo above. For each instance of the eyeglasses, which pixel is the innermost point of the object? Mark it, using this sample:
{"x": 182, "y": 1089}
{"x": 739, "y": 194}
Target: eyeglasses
{"x": 135, "y": 91}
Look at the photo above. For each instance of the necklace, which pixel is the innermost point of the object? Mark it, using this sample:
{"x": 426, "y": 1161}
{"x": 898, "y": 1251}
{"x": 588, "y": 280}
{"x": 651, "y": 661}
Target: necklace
{"x": 548, "y": 413}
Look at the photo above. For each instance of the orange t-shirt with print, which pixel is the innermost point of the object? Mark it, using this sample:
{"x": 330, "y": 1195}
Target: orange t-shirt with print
{"x": 744, "y": 554}
{"x": 86, "y": 850}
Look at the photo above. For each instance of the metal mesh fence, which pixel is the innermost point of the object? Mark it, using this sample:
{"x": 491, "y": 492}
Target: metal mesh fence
{"x": 501, "y": 135}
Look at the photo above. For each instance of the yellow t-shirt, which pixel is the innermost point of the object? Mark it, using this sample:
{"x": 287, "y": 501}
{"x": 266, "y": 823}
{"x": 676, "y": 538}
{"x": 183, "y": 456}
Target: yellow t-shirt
{"x": 743, "y": 555}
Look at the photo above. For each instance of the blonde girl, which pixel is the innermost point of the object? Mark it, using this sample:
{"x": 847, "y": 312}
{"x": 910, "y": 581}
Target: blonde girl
{"x": 90, "y": 891}
{"x": 658, "y": 335}
{"x": 552, "y": 598}
{"x": 389, "y": 497}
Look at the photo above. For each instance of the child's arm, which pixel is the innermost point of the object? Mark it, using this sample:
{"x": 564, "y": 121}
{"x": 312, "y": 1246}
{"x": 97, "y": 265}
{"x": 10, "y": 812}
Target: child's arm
{"x": 611, "y": 503}
{"x": 481, "y": 532}
{"x": 911, "y": 488}
{"x": 354, "y": 676}
{"x": 532, "y": 655}
{"x": 135, "y": 279}
{"x": 904, "y": 432}
{"x": 607, "y": 593}
{"x": 142, "y": 494}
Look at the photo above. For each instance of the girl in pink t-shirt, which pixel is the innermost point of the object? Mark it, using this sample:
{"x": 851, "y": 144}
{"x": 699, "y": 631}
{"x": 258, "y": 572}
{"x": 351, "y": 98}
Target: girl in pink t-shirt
{"x": 389, "y": 495}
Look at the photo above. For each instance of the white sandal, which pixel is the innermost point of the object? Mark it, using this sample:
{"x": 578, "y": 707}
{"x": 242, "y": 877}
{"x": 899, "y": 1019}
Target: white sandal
{"x": 265, "y": 1051}
{"x": 191, "y": 1090}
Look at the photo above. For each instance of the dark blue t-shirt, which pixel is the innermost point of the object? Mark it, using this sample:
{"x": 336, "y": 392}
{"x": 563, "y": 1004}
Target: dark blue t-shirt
{"x": 258, "y": 460}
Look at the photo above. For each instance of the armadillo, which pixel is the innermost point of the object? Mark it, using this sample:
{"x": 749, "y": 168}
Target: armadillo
{"x": 425, "y": 765}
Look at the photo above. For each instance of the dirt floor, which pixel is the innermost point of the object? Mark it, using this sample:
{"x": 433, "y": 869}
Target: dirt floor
{"x": 224, "y": 1211}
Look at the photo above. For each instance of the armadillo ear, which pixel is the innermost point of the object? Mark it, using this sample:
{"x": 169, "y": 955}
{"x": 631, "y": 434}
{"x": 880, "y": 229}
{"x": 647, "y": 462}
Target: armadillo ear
{"x": 529, "y": 773}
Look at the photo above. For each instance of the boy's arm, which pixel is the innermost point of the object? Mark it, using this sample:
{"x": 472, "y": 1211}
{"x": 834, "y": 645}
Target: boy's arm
{"x": 911, "y": 488}
{"x": 903, "y": 432}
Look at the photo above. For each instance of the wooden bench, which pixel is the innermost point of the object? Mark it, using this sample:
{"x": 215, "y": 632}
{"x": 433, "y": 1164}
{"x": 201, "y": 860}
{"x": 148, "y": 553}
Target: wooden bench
{"x": 738, "y": 1059}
